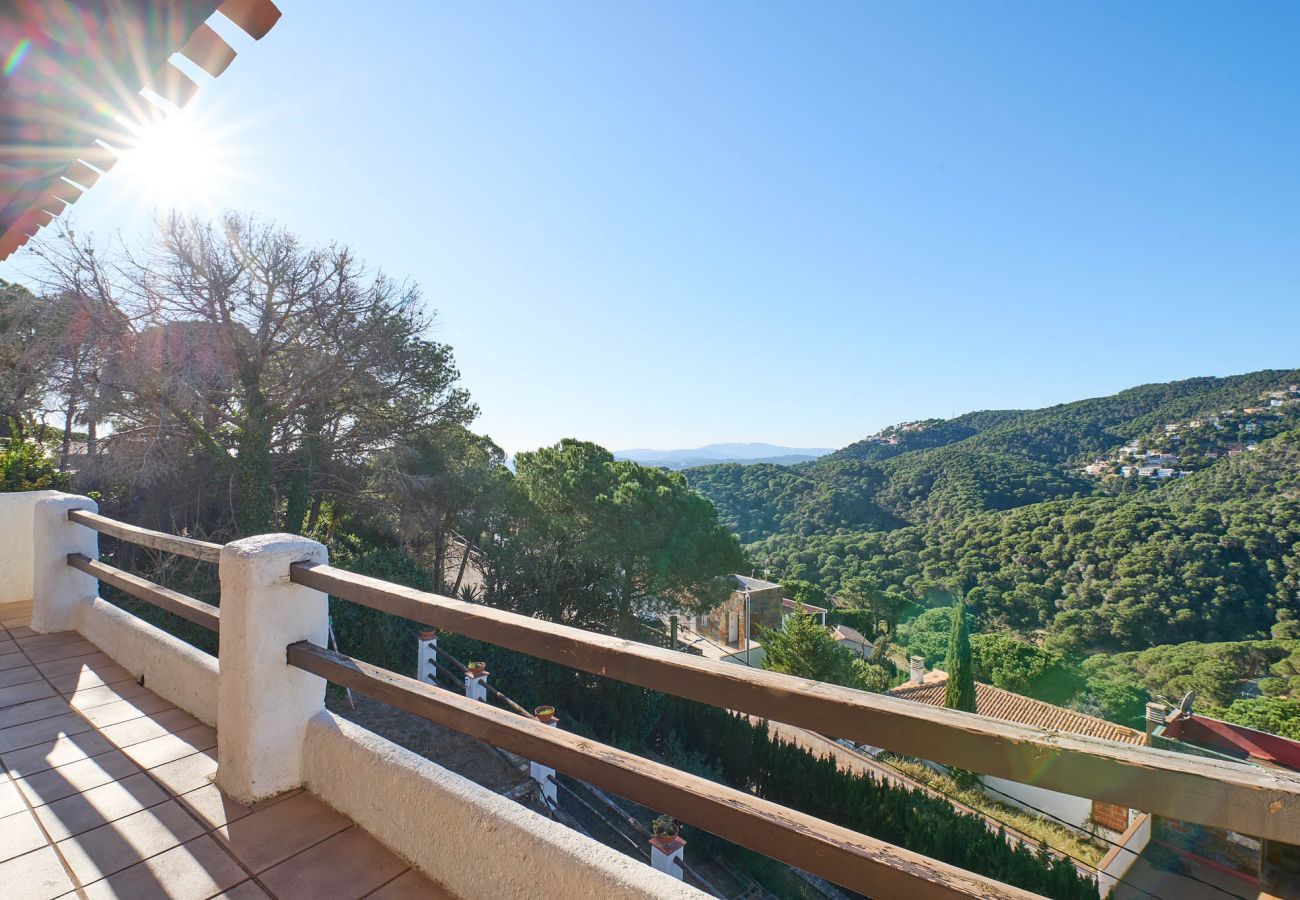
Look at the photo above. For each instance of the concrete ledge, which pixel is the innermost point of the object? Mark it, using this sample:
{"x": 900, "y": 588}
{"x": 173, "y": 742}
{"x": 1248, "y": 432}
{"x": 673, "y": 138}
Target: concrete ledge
{"x": 171, "y": 668}
{"x": 471, "y": 840}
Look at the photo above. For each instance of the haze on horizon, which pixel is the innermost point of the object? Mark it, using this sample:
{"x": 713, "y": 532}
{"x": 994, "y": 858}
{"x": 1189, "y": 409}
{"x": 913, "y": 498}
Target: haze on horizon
{"x": 671, "y": 225}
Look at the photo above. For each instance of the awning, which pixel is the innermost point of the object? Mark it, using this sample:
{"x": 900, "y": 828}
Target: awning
{"x": 69, "y": 69}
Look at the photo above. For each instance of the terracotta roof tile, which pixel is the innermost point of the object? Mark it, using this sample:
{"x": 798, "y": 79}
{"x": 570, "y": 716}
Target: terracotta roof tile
{"x": 999, "y": 704}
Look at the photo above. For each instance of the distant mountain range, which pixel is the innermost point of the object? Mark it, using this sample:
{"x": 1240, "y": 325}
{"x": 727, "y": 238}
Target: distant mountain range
{"x": 712, "y": 454}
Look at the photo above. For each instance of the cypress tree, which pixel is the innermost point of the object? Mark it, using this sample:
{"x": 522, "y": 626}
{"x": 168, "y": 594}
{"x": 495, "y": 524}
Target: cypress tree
{"x": 960, "y": 692}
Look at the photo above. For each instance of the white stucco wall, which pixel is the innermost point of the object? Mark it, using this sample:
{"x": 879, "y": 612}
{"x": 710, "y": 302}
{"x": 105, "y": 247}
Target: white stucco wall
{"x": 1075, "y": 810}
{"x": 171, "y": 668}
{"x": 16, "y": 510}
{"x": 1120, "y": 859}
{"x": 473, "y": 841}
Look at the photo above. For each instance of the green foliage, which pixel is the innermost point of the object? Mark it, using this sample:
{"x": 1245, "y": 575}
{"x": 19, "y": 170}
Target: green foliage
{"x": 804, "y": 592}
{"x": 959, "y": 693}
{"x": 591, "y": 541}
{"x": 377, "y": 637}
{"x": 927, "y": 635}
{"x": 760, "y": 500}
{"x": 1276, "y": 715}
{"x": 1016, "y": 665}
{"x": 25, "y": 467}
{"x": 805, "y": 649}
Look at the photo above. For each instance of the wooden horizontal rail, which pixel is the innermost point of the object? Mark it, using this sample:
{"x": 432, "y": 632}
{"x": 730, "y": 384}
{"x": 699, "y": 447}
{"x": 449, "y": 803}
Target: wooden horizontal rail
{"x": 1244, "y": 798}
{"x": 155, "y": 540}
{"x": 835, "y": 853}
{"x": 195, "y": 611}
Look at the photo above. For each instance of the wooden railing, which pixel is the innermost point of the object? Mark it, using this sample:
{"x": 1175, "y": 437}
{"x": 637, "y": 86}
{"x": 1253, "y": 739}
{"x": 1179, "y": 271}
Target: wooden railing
{"x": 155, "y": 540}
{"x": 203, "y": 614}
{"x": 1247, "y": 799}
{"x": 1244, "y": 798}
{"x": 833, "y": 852}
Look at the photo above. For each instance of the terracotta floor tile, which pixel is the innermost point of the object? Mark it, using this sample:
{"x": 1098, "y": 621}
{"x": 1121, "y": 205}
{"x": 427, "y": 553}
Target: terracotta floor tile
{"x": 88, "y": 678}
{"x": 274, "y": 834}
{"x": 351, "y": 864}
{"x": 11, "y": 799}
{"x": 19, "y": 675}
{"x": 30, "y": 712}
{"x": 75, "y": 777}
{"x": 124, "y": 710}
{"x": 94, "y": 662}
{"x": 109, "y": 693}
{"x": 51, "y": 639}
{"x": 146, "y": 728}
{"x": 247, "y": 890}
{"x": 99, "y": 806}
{"x": 172, "y": 746}
{"x": 34, "y": 876}
{"x": 19, "y": 834}
{"x": 20, "y": 631}
{"x": 13, "y": 660}
{"x": 41, "y": 731}
{"x": 111, "y": 848}
{"x": 193, "y": 871}
{"x": 49, "y": 652}
{"x": 21, "y": 693}
{"x": 412, "y": 886}
{"x": 7, "y": 645}
{"x": 212, "y": 807}
{"x": 58, "y": 752}
{"x": 187, "y": 773}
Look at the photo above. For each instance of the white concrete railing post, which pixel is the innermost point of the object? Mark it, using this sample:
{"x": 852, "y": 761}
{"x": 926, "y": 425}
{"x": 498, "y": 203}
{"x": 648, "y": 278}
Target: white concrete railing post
{"x": 476, "y": 682}
{"x": 426, "y": 659}
{"x": 263, "y": 703}
{"x": 58, "y": 590}
{"x": 545, "y": 775}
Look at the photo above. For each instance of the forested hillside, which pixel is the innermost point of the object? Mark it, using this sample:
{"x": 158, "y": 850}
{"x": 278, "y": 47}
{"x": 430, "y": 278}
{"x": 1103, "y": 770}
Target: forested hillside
{"x": 996, "y": 504}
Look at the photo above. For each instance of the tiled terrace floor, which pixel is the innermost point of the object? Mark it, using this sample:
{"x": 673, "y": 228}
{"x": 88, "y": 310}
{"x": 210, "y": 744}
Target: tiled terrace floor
{"x": 106, "y": 791}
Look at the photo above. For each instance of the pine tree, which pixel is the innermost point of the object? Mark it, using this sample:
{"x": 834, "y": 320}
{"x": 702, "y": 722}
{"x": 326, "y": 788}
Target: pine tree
{"x": 960, "y": 692}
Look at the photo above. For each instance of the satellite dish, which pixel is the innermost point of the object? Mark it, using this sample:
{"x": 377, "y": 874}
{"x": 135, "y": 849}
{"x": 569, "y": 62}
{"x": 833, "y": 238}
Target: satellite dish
{"x": 1185, "y": 705}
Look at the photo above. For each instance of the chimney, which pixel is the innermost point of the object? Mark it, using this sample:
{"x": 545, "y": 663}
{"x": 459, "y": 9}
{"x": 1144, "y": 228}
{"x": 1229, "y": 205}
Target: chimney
{"x": 1156, "y": 713}
{"x": 918, "y": 669}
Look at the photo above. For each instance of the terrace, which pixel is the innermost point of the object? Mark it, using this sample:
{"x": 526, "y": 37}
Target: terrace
{"x": 117, "y": 783}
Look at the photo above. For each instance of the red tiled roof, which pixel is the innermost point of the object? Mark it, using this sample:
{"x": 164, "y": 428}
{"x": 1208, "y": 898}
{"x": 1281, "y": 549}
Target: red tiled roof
{"x": 999, "y": 704}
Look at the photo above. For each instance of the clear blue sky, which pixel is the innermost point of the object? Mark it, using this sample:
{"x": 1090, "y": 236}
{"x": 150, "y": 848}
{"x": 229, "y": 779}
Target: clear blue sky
{"x": 666, "y": 224}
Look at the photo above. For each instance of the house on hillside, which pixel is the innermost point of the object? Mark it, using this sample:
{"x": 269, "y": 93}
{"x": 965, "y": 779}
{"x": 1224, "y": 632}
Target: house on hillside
{"x": 1106, "y": 820}
{"x": 754, "y": 604}
{"x": 790, "y": 607}
{"x": 852, "y": 640}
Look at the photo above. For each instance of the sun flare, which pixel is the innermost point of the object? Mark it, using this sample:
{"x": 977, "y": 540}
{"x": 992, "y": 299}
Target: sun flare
{"x": 175, "y": 162}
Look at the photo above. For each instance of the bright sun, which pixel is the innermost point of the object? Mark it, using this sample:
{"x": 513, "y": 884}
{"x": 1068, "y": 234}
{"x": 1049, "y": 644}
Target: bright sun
{"x": 174, "y": 162}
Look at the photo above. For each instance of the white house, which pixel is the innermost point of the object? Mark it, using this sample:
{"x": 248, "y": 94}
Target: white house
{"x": 852, "y": 640}
{"x": 1105, "y": 819}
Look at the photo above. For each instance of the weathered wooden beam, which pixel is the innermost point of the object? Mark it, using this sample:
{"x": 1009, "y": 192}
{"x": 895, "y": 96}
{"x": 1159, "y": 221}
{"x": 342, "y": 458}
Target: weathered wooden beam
{"x": 1244, "y": 798}
{"x": 838, "y": 854}
{"x": 155, "y": 540}
{"x": 196, "y": 611}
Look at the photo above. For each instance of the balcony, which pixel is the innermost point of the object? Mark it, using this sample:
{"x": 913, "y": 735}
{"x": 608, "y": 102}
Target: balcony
{"x": 137, "y": 765}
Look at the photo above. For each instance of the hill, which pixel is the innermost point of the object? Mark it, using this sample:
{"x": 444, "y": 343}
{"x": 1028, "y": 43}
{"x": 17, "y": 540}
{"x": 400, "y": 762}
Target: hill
{"x": 996, "y": 504}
